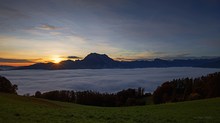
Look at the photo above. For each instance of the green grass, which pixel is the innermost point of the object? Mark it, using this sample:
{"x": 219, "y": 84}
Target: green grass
{"x": 17, "y": 109}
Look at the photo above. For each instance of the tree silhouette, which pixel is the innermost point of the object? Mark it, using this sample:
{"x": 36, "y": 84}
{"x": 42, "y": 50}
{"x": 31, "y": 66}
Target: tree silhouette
{"x": 188, "y": 89}
{"x": 6, "y": 86}
{"x": 122, "y": 98}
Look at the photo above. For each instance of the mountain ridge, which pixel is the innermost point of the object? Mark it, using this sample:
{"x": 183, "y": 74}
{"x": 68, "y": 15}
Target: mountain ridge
{"x": 102, "y": 61}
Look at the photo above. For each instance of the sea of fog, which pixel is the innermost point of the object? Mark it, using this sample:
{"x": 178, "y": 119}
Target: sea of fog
{"x": 103, "y": 80}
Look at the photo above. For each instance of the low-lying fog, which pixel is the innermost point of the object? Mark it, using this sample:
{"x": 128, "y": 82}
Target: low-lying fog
{"x": 103, "y": 80}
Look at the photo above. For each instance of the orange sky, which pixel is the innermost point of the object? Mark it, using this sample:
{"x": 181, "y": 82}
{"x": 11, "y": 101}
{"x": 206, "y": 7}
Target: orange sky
{"x": 16, "y": 64}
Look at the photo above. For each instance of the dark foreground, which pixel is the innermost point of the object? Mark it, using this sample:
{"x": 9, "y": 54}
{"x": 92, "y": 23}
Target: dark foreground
{"x": 19, "y": 109}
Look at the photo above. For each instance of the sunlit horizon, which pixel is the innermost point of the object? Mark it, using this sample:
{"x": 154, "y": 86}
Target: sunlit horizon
{"x": 34, "y": 31}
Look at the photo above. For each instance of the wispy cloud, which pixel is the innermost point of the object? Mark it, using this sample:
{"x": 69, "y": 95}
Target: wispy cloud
{"x": 15, "y": 60}
{"x": 73, "y": 57}
{"x": 124, "y": 59}
{"x": 177, "y": 56}
{"x": 47, "y": 27}
{"x": 130, "y": 55}
{"x": 44, "y": 30}
{"x": 8, "y": 12}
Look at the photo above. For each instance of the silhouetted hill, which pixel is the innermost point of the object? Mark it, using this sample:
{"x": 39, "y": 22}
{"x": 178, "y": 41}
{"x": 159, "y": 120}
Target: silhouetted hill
{"x": 94, "y": 60}
{"x": 6, "y": 67}
{"x": 95, "y": 57}
{"x": 215, "y": 63}
{"x": 38, "y": 66}
{"x": 101, "y": 61}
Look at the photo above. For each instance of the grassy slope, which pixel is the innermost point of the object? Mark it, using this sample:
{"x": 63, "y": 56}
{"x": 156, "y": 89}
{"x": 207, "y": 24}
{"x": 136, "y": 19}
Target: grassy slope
{"x": 17, "y": 109}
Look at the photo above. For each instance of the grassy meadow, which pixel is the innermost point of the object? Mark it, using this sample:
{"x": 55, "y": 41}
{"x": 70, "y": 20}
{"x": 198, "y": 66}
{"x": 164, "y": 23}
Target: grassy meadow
{"x": 18, "y": 109}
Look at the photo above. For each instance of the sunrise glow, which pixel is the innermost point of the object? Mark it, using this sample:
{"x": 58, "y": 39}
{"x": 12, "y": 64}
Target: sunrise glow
{"x": 56, "y": 59}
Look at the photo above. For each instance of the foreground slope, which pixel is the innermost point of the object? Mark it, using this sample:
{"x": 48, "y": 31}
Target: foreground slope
{"x": 26, "y": 109}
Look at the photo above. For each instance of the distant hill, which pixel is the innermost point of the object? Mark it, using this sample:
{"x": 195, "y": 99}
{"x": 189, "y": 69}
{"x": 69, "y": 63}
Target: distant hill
{"x": 102, "y": 61}
{"x": 5, "y": 67}
{"x": 211, "y": 64}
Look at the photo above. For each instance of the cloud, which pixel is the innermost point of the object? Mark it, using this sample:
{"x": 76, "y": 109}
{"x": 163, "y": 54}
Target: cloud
{"x": 9, "y": 12}
{"x": 15, "y": 60}
{"x": 55, "y": 33}
{"x": 150, "y": 55}
{"x": 177, "y": 56}
{"x": 73, "y": 57}
{"x": 124, "y": 59}
{"x": 47, "y": 27}
{"x": 37, "y": 60}
{"x": 11, "y": 18}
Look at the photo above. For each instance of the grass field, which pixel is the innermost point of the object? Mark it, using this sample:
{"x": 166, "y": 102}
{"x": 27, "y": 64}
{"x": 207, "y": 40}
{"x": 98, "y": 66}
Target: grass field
{"x": 17, "y": 109}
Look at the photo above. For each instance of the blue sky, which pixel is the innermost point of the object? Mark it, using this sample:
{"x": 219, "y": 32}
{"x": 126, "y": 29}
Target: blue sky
{"x": 45, "y": 30}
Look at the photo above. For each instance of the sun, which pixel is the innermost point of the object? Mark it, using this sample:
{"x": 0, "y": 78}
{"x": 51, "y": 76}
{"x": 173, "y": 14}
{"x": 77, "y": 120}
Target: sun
{"x": 56, "y": 59}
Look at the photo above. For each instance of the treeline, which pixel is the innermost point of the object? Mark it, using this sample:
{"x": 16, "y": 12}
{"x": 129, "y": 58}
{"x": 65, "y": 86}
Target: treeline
{"x": 6, "y": 86}
{"x": 127, "y": 97}
{"x": 188, "y": 89}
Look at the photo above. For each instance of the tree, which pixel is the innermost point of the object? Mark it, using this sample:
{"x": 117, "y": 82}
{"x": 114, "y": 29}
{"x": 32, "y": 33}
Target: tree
{"x": 38, "y": 94}
{"x": 188, "y": 89}
{"x": 6, "y": 86}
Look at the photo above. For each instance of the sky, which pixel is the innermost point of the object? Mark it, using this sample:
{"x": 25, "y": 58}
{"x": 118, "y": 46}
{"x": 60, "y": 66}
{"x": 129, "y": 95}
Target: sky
{"x": 34, "y": 31}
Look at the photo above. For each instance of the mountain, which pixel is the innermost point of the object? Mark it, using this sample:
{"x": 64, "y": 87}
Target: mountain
{"x": 214, "y": 63}
{"x": 6, "y": 67}
{"x": 95, "y": 60}
{"x": 91, "y": 61}
{"x": 95, "y": 57}
{"x": 102, "y": 61}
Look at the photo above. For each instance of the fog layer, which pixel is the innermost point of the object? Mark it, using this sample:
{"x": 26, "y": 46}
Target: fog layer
{"x": 103, "y": 80}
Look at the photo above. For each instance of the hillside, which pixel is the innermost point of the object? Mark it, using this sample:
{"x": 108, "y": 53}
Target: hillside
{"x": 26, "y": 109}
